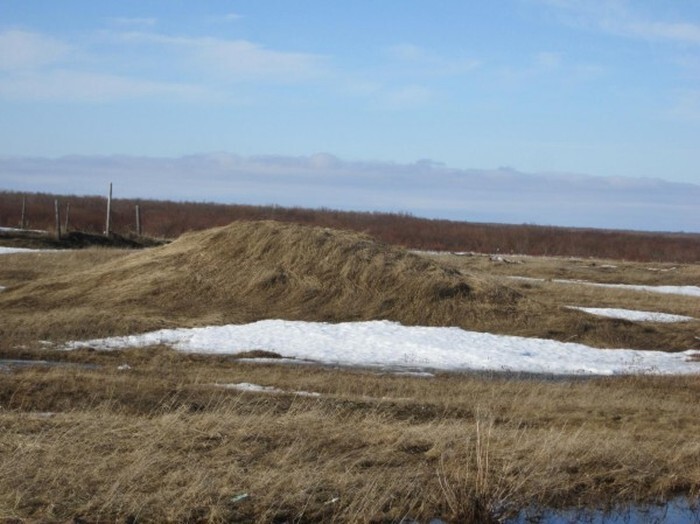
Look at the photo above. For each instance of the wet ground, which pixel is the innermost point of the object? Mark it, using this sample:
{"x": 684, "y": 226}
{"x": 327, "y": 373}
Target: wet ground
{"x": 677, "y": 511}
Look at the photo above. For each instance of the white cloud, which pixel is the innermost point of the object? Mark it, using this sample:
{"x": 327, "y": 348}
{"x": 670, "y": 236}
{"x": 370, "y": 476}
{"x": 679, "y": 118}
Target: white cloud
{"x": 24, "y": 50}
{"x": 548, "y": 60}
{"x": 39, "y": 67}
{"x": 650, "y": 30}
{"x": 406, "y": 97}
{"x": 685, "y": 105}
{"x": 133, "y": 21}
{"x": 422, "y": 61}
{"x": 619, "y": 17}
{"x": 408, "y": 53}
{"x": 322, "y": 180}
{"x": 237, "y": 59}
{"x": 552, "y": 66}
{"x": 89, "y": 87}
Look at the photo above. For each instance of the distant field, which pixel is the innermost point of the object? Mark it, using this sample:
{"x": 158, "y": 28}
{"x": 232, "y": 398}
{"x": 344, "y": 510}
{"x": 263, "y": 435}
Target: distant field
{"x": 152, "y": 435}
{"x": 163, "y": 219}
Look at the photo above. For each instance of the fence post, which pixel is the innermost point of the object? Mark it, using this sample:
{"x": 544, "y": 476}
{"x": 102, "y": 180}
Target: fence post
{"x": 58, "y": 219}
{"x": 138, "y": 220}
{"x": 23, "y": 221}
{"x": 108, "y": 226}
{"x": 65, "y": 229}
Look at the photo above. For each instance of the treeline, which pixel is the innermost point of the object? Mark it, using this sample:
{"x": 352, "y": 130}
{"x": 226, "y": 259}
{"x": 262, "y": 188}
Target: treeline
{"x": 166, "y": 219}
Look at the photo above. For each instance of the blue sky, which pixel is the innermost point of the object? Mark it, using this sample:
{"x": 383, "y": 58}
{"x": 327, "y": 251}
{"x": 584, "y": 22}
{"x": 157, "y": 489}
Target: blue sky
{"x": 608, "y": 88}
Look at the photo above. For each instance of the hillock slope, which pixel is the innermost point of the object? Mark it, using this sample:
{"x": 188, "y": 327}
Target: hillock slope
{"x": 249, "y": 271}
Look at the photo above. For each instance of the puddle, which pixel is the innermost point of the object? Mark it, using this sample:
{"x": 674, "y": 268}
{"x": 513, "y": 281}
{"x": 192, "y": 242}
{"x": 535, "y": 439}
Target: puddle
{"x": 677, "y": 511}
{"x": 7, "y": 364}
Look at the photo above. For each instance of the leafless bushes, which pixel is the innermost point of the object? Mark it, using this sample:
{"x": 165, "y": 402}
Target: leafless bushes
{"x": 170, "y": 219}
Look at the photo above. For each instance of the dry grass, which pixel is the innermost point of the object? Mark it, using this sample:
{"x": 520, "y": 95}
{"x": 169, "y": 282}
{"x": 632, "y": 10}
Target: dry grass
{"x": 161, "y": 443}
{"x": 254, "y": 270}
{"x": 549, "y": 291}
{"x": 20, "y": 268}
{"x": 595, "y": 270}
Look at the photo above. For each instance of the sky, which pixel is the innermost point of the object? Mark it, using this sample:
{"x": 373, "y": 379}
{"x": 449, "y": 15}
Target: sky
{"x": 542, "y": 90}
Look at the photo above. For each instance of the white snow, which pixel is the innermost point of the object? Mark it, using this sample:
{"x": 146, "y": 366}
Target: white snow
{"x": 274, "y": 360}
{"x": 9, "y": 250}
{"x": 19, "y": 230}
{"x": 256, "y": 388}
{"x": 692, "y": 291}
{"x": 632, "y": 314}
{"x": 389, "y": 344}
{"x": 422, "y": 374}
{"x": 4, "y": 250}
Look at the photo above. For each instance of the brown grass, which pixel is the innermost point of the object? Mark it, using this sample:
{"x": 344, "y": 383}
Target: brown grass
{"x": 572, "y": 268}
{"x": 255, "y": 270}
{"x": 161, "y": 443}
{"x": 673, "y": 335}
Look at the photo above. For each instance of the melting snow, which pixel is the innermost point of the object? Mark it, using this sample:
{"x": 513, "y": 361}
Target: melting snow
{"x": 20, "y": 230}
{"x": 9, "y": 250}
{"x": 634, "y": 315}
{"x": 693, "y": 291}
{"x": 255, "y": 388}
{"x": 389, "y": 344}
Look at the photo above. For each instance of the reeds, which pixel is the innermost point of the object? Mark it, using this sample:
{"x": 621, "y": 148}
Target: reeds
{"x": 160, "y": 442}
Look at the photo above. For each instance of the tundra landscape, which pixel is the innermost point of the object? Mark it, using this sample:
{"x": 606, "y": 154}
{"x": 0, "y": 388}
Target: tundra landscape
{"x": 114, "y": 407}
{"x": 350, "y": 262}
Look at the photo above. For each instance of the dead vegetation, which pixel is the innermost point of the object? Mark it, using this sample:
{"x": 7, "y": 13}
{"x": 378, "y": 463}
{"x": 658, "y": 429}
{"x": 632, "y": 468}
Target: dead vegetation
{"x": 575, "y": 268}
{"x": 160, "y": 439}
{"x": 249, "y": 271}
{"x": 564, "y": 281}
{"x": 160, "y": 442}
{"x": 164, "y": 219}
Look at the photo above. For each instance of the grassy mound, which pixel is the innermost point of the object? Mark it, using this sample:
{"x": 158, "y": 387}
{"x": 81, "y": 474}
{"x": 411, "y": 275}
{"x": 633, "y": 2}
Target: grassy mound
{"x": 253, "y": 270}
{"x": 249, "y": 271}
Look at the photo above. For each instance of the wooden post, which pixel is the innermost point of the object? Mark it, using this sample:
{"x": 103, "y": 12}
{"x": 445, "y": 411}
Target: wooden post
{"x": 58, "y": 219}
{"x": 108, "y": 226}
{"x": 138, "y": 220}
{"x": 23, "y": 222}
{"x": 67, "y": 217}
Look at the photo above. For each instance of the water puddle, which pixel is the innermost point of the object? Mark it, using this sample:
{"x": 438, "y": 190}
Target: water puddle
{"x": 8, "y": 364}
{"x": 676, "y": 511}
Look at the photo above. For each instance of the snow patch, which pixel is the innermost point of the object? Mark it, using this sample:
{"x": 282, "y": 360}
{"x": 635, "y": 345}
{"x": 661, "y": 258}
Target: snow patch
{"x": 10, "y": 250}
{"x": 632, "y": 314}
{"x": 256, "y": 388}
{"x": 420, "y": 374}
{"x": 409, "y": 348}
{"x": 20, "y": 230}
{"x": 692, "y": 291}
